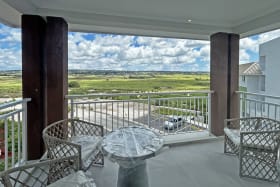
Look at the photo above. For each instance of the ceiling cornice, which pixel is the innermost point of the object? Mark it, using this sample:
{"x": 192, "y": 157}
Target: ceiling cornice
{"x": 259, "y": 25}
{"x": 25, "y": 6}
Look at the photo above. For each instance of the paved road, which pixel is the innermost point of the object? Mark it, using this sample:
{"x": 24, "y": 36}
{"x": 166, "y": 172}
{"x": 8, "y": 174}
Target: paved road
{"x": 109, "y": 122}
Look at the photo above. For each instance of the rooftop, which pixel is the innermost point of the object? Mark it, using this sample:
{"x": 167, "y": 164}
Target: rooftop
{"x": 252, "y": 68}
{"x": 194, "y": 164}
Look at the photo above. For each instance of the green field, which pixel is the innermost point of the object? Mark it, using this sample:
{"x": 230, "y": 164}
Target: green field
{"x": 139, "y": 83}
{"x": 10, "y": 85}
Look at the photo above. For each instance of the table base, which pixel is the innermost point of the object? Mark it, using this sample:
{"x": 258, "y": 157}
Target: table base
{"x": 133, "y": 177}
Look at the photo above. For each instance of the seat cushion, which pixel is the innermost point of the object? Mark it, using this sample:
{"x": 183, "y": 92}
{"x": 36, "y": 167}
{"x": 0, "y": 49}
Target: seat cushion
{"x": 78, "y": 179}
{"x": 233, "y": 135}
{"x": 89, "y": 146}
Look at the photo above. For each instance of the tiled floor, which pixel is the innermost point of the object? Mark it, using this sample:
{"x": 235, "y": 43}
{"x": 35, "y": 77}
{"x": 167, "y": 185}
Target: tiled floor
{"x": 191, "y": 165}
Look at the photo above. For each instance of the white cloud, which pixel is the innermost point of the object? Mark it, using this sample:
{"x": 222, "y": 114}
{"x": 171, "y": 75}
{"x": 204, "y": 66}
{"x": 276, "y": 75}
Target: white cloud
{"x": 10, "y": 48}
{"x": 10, "y": 59}
{"x": 244, "y": 57}
{"x": 251, "y": 45}
{"x": 135, "y": 52}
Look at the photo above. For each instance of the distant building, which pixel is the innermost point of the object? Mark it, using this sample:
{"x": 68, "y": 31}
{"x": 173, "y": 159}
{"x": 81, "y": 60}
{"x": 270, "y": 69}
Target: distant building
{"x": 270, "y": 64}
{"x": 262, "y": 78}
{"x": 251, "y": 77}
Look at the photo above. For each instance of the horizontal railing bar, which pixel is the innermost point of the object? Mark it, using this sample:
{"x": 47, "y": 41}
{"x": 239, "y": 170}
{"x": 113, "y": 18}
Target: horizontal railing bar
{"x": 14, "y": 103}
{"x": 136, "y": 100}
{"x": 257, "y": 94}
{"x": 4, "y": 116}
{"x": 173, "y": 98}
{"x": 132, "y": 94}
{"x": 261, "y": 102}
{"x": 107, "y": 101}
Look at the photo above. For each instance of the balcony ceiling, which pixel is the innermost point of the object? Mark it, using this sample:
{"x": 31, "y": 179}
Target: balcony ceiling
{"x": 196, "y": 19}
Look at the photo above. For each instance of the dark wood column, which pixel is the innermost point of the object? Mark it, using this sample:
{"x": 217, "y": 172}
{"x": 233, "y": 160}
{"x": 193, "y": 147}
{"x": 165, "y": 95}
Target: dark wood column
{"x": 224, "y": 76}
{"x": 44, "y": 76}
{"x": 33, "y": 86}
{"x": 56, "y": 57}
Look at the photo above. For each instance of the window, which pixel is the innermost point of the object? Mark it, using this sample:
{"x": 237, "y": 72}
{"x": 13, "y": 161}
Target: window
{"x": 262, "y": 63}
{"x": 262, "y": 82}
{"x": 243, "y": 78}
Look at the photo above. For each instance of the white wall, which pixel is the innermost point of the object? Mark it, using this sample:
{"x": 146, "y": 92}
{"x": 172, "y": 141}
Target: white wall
{"x": 270, "y": 62}
{"x": 241, "y": 81}
{"x": 270, "y": 53}
{"x": 253, "y": 84}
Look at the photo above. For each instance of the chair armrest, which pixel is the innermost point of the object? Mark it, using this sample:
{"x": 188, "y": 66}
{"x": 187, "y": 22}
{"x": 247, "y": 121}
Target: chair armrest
{"x": 252, "y": 124}
{"x": 232, "y": 123}
{"x": 58, "y": 148}
{"x": 81, "y": 127}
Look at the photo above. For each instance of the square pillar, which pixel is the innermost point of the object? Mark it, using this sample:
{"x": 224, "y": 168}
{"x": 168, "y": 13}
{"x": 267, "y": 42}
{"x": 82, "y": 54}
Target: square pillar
{"x": 56, "y": 58}
{"x": 44, "y": 76}
{"x": 224, "y": 79}
{"x": 33, "y": 85}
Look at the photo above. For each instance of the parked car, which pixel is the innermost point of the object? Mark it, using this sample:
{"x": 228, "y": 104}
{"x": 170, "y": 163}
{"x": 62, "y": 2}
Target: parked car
{"x": 173, "y": 122}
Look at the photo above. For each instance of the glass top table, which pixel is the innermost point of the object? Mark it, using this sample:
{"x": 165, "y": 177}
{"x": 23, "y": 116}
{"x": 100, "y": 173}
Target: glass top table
{"x": 130, "y": 147}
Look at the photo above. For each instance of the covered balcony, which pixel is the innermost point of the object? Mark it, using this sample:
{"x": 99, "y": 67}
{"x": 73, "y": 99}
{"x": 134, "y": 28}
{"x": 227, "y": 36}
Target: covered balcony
{"x": 195, "y": 154}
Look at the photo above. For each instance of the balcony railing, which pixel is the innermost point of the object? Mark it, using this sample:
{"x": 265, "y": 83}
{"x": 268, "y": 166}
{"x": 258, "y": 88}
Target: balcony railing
{"x": 259, "y": 105}
{"x": 13, "y": 142}
{"x": 152, "y": 110}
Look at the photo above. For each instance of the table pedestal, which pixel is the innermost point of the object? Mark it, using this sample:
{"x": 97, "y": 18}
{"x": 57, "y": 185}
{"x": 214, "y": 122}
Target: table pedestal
{"x": 134, "y": 176}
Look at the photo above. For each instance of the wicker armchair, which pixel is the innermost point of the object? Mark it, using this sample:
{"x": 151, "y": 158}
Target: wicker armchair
{"x": 40, "y": 173}
{"x": 74, "y": 137}
{"x": 256, "y": 141}
{"x": 278, "y": 166}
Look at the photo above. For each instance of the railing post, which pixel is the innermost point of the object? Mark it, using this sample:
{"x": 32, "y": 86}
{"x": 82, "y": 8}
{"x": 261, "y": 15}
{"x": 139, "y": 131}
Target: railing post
{"x": 209, "y": 112}
{"x": 242, "y": 106}
{"x": 6, "y": 143}
{"x": 149, "y": 109}
{"x": 72, "y": 108}
{"x": 24, "y": 130}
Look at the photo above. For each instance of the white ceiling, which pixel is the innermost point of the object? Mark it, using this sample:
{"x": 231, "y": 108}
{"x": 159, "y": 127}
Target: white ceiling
{"x": 153, "y": 17}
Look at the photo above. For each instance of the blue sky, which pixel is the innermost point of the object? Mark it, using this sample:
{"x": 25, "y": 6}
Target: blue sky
{"x": 137, "y": 53}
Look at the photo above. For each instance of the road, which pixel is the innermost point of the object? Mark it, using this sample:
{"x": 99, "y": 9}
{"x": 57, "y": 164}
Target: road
{"x": 112, "y": 117}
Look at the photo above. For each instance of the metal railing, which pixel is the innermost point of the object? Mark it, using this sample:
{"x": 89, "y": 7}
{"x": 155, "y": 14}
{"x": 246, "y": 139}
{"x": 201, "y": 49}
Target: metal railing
{"x": 186, "y": 111}
{"x": 259, "y": 105}
{"x": 13, "y": 141}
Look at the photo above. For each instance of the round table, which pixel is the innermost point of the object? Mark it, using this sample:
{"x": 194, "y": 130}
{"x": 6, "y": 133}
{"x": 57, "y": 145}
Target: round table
{"x": 130, "y": 147}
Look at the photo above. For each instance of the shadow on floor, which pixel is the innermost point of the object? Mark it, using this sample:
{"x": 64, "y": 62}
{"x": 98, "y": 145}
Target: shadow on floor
{"x": 193, "y": 165}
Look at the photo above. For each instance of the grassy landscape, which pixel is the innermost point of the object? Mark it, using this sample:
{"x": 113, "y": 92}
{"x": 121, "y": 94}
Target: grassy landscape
{"x": 10, "y": 85}
{"x": 86, "y": 83}
{"x": 139, "y": 83}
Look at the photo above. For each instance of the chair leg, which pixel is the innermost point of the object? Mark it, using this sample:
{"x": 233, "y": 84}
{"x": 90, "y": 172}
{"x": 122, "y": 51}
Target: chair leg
{"x": 99, "y": 159}
{"x": 229, "y": 147}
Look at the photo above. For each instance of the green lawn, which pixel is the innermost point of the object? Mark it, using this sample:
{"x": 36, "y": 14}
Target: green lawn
{"x": 10, "y": 85}
{"x": 156, "y": 83}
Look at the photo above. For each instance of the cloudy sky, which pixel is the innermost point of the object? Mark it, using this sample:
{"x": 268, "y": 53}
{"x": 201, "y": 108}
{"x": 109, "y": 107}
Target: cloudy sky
{"x": 120, "y": 52}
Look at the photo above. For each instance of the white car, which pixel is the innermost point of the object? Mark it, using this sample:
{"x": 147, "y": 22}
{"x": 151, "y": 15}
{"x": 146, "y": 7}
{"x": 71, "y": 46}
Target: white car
{"x": 173, "y": 122}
